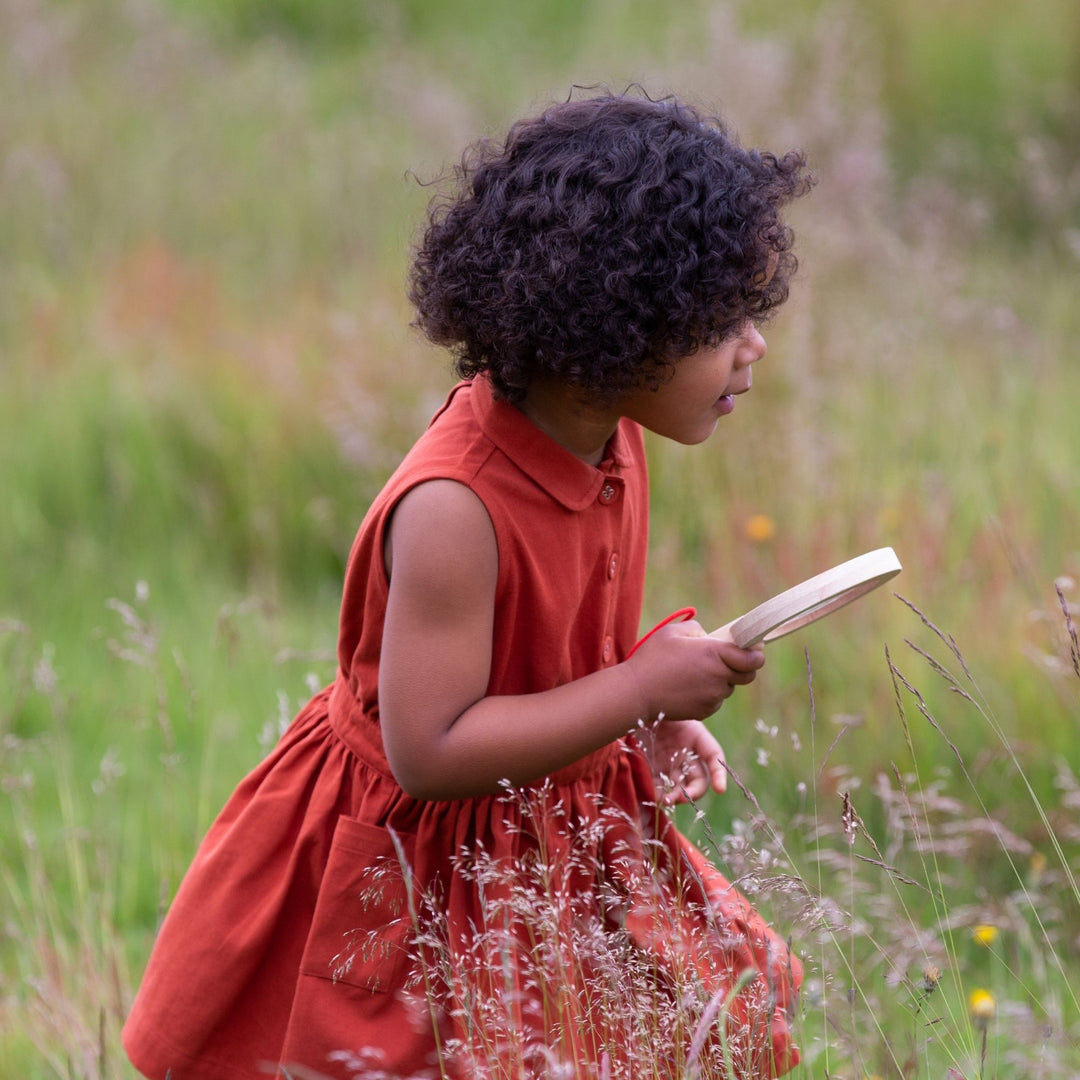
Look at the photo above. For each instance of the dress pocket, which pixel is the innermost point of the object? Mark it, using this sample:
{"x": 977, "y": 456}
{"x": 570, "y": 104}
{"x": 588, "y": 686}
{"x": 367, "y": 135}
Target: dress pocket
{"x": 361, "y": 931}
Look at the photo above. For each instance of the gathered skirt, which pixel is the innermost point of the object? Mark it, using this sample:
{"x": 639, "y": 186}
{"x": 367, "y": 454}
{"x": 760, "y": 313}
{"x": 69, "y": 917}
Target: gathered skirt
{"x": 331, "y": 926}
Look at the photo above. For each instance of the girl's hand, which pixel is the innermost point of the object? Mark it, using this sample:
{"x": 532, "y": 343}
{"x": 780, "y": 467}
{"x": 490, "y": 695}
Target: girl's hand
{"x": 683, "y": 673}
{"x": 686, "y": 760}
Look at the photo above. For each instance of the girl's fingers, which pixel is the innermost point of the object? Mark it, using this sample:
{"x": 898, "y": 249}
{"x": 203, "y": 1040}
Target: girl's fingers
{"x": 718, "y": 772}
{"x": 741, "y": 678}
{"x": 743, "y": 660}
{"x": 684, "y": 672}
{"x": 710, "y": 754}
{"x": 705, "y": 765}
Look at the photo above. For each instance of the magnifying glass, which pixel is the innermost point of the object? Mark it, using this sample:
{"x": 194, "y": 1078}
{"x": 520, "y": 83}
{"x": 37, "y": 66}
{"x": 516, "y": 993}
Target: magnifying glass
{"x": 803, "y": 604}
{"x": 813, "y": 599}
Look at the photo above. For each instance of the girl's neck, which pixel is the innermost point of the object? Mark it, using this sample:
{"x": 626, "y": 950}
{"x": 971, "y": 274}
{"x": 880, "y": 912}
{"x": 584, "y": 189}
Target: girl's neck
{"x": 559, "y": 412}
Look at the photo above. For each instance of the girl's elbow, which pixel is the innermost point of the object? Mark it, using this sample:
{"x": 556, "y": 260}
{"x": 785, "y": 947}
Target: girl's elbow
{"x": 423, "y": 776}
{"x": 423, "y": 790}
{"x": 425, "y": 764}
{"x": 416, "y": 781}
{"x": 429, "y": 779}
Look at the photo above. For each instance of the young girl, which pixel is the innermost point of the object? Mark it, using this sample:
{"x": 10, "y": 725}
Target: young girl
{"x": 602, "y": 271}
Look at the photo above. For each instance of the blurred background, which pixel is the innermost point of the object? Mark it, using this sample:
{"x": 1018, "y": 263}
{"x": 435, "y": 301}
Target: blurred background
{"x": 207, "y": 370}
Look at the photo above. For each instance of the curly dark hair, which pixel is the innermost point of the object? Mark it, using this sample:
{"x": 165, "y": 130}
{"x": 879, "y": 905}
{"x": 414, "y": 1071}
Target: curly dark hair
{"x": 604, "y": 240}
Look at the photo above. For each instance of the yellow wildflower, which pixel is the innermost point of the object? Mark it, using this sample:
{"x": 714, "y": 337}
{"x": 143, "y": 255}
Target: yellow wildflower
{"x": 760, "y": 528}
{"x": 889, "y": 518}
{"x": 982, "y": 1007}
{"x": 984, "y": 934}
{"x": 1036, "y": 866}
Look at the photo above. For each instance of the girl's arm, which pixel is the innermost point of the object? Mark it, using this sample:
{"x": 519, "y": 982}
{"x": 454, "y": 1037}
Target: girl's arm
{"x": 444, "y": 739}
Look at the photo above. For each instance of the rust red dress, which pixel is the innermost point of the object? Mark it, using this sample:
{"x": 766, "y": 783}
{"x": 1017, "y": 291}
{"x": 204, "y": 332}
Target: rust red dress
{"x": 527, "y": 926}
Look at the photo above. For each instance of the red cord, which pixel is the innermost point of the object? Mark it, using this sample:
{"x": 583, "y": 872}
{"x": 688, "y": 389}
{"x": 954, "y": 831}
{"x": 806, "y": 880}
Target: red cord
{"x": 676, "y": 616}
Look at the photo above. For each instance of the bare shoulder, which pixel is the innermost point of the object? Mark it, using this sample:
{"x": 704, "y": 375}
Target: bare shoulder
{"x": 441, "y": 536}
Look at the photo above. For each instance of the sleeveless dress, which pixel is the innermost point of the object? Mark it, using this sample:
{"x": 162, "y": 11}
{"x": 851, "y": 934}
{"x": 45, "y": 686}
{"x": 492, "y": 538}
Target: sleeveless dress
{"x": 332, "y": 926}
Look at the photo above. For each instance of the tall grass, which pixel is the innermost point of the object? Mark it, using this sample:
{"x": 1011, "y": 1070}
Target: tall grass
{"x": 937, "y": 919}
{"x": 206, "y": 373}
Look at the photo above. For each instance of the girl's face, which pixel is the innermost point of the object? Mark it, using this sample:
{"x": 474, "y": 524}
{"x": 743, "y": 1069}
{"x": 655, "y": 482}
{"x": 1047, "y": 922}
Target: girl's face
{"x": 689, "y": 405}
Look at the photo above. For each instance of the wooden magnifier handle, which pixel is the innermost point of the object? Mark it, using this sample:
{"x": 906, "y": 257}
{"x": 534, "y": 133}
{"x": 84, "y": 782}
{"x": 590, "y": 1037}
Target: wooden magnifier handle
{"x": 813, "y": 599}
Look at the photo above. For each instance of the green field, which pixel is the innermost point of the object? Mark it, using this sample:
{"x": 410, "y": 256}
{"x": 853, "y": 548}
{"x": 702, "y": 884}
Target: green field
{"x": 207, "y": 370}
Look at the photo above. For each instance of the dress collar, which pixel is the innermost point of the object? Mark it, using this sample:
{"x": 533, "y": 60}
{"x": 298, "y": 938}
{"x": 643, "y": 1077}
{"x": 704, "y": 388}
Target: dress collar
{"x": 563, "y": 475}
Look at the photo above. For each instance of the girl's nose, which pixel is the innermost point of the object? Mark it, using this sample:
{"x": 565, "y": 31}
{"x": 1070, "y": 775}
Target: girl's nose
{"x": 753, "y": 347}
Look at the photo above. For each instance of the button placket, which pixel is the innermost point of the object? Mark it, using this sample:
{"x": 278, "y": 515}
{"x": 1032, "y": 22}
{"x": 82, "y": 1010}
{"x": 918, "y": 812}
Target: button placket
{"x": 610, "y": 498}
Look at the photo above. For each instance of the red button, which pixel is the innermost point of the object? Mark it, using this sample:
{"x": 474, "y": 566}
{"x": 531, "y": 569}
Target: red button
{"x": 613, "y": 564}
{"x": 607, "y": 493}
{"x": 609, "y": 648}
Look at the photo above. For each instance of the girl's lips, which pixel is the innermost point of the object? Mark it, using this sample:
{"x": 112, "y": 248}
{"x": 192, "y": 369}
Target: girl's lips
{"x": 725, "y": 404}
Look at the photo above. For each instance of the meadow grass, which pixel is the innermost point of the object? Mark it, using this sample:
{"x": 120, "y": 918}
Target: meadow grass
{"x": 207, "y": 372}
{"x": 917, "y": 896}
